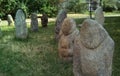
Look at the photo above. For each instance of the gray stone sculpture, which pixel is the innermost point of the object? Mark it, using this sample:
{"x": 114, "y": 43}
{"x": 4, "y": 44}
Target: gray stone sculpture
{"x": 20, "y": 25}
{"x": 10, "y": 20}
{"x": 93, "y": 51}
{"x": 99, "y": 15}
{"x": 34, "y": 22}
{"x": 68, "y": 33}
{"x": 60, "y": 18}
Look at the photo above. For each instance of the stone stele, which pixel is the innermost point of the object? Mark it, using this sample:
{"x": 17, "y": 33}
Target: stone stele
{"x": 93, "y": 51}
{"x": 66, "y": 41}
{"x": 10, "y": 20}
{"x": 34, "y": 22}
{"x": 44, "y": 20}
{"x": 99, "y": 15}
{"x": 20, "y": 25}
{"x": 60, "y": 18}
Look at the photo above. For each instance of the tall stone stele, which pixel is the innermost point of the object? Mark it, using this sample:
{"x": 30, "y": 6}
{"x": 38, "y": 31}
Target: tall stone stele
{"x": 60, "y": 18}
{"x": 44, "y": 20}
{"x": 99, "y": 15}
{"x": 93, "y": 51}
{"x": 20, "y": 25}
{"x": 10, "y": 20}
{"x": 34, "y": 22}
{"x": 67, "y": 34}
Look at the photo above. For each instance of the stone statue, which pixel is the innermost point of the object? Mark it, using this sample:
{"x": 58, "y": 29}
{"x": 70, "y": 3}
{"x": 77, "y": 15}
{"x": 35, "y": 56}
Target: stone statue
{"x": 10, "y": 20}
{"x": 99, "y": 15}
{"x": 67, "y": 35}
{"x": 93, "y": 50}
{"x": 34, "y": 22}
{"x": 20, "y": 25}
{"x": 60, "y": 18}
{"x": 44, "y": 20}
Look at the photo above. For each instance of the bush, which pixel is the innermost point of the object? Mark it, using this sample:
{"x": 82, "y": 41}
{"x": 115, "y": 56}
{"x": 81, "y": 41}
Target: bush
{"x": 108, "y": 7}
{"x": 7, "y": 7}
{"x": 80, "y": 7}
{"x": 29, "y": 6}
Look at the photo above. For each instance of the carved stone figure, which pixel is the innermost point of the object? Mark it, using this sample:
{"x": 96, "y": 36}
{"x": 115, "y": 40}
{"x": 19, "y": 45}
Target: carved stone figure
{"x": 44, "y": 20}
{"x": 10, "y": 20}
{"x": 34, "y": 22}
{"x": 20, "y": 25}
{"x": 68, "y": 34}
{"x": 99, "y": 15}
{"x": 60, "y": 18}
{"x": 93, "y": 51}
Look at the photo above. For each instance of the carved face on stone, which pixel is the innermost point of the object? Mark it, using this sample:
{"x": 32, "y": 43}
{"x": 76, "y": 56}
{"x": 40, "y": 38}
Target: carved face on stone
{"x": 68, "y": 26}
{"x": 91, "y": 34}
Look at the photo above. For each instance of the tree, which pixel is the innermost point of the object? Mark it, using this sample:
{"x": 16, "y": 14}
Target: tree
{"x": 109, "y": 5}
{"x": 29, "y": 6}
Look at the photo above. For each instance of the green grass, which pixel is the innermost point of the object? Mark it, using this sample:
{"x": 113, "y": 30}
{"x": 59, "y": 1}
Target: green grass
{"x": 38, "y": 55}
{"x": 114, "y": 30}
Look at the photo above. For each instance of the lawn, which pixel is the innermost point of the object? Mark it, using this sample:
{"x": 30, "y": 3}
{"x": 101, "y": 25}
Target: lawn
{"x": 38, "y": 55}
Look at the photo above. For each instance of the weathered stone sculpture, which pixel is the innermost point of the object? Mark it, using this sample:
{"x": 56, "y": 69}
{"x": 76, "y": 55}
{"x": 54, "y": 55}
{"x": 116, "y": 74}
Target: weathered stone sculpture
{"x": 99, "y": 15}
{"x": 93, "y": 51}
{"x": 60, "y": 18}
{"x": 44, "y": 20}
{"x": 34, "y": 22}
{"x": 20, "y": 25}
{"x": 68, "y": 34}
{"x": 10, "y": 20}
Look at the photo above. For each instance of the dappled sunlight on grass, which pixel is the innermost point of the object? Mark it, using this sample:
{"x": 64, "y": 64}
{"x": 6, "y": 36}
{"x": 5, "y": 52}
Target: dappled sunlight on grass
{"x": 35, "y": 56}
{"x": 38, "y": 55}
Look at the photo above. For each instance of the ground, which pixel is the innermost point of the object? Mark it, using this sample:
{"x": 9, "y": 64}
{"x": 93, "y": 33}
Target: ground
{"x": 38, "y": 55}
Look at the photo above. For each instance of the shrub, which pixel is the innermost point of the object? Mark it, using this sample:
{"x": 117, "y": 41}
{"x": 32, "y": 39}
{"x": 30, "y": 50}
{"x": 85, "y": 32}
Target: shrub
{"x": 29, "y": 6}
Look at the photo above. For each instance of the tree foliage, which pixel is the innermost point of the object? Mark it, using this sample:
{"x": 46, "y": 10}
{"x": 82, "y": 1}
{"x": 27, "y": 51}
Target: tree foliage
{"x": 109, "y": 5}
{"x": 29, "y": 6}
{"x": 50, "y": 7}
